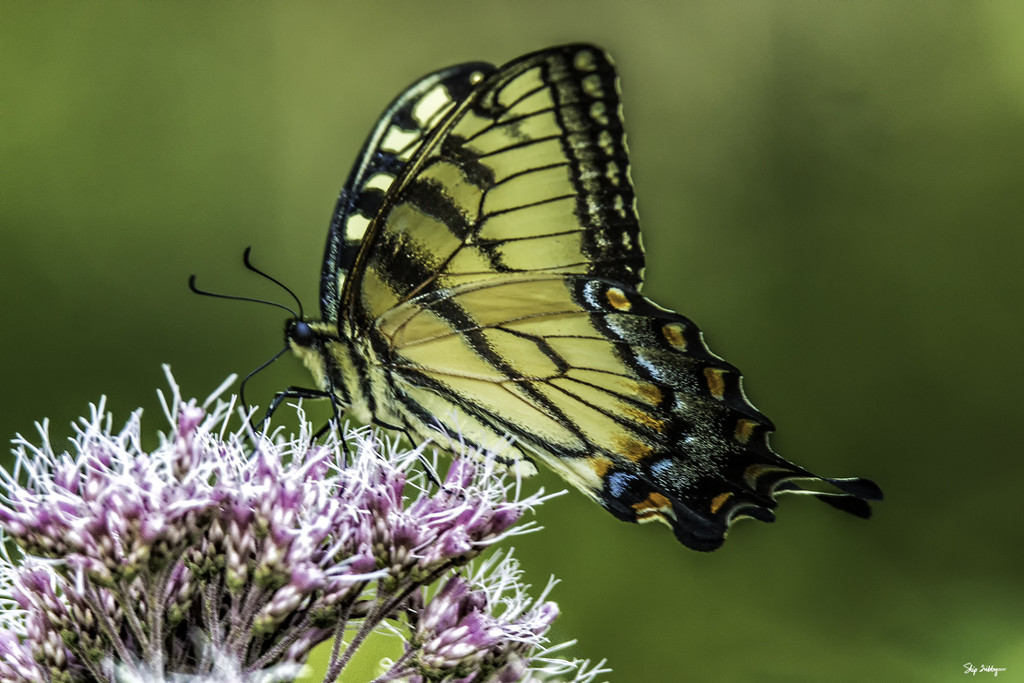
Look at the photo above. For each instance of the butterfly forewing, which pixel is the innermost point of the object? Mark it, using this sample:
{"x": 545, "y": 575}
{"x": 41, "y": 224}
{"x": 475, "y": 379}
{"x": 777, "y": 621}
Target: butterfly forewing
{"x": 401, "y": 131}
{"x": 528, "y": 174}
{"x": 495, "y": 294}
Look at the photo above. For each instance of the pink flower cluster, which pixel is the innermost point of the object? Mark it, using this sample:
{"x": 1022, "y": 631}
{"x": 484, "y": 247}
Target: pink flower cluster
{"x": 228, "y": 555}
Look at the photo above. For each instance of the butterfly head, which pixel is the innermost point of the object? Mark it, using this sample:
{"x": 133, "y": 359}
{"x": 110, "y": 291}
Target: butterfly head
{"x": 308, "y": 341}
{"x": 299, "y": 334}
{"x": 305, "y": 338}
{"x": 328, "y": 357}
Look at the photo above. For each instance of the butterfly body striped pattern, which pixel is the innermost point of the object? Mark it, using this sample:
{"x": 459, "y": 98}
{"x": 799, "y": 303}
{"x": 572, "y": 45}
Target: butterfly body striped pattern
{"x": 482, "y": 276}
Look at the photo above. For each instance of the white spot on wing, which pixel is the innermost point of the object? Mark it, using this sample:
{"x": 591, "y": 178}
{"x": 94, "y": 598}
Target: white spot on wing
{"x": 426, "y": 110}
{"x": 380, "y": 181}
{"x": 355, "y": 227}
{"x": 592, "y": 86}
{"x": 397, "y": 140}
{"x": 584, "y": 60}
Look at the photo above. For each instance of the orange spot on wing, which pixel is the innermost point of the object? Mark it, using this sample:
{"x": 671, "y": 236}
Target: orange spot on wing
{"x": 716, "y": 381}
{"x": 654, "y": 505}
{"x": 674, "y": 334}
{"x": 651, "y": 392}
{"x": 632, "y": 449}
{"x": 744, "y": 429}
{"x": 617, "y": 299}
{"x": 718, "y": 501}
{"x": 600, "y": 466}
{"x": 756, "y": 471}
{"x": 645, "y": 419}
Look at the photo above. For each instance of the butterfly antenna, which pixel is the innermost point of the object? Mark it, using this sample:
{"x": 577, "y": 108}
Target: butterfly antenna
{"x": 246, "y": 258}
{"x": 234, "y": 297}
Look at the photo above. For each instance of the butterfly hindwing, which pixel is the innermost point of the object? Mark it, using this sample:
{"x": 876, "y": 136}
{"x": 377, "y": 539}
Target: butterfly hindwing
{"x": 620, "y": 396}
{"x": 481, "y": 288}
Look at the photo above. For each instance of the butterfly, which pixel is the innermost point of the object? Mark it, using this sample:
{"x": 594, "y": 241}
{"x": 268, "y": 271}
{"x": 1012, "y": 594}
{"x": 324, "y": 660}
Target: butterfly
{"x": 481, "y": 288}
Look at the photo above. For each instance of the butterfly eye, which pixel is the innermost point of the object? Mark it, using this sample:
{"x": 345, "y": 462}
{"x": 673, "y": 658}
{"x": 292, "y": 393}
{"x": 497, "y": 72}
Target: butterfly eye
{"x": 301, "y": 333}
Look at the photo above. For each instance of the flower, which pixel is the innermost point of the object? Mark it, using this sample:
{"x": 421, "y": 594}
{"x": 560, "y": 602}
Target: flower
{"x": 458, "y": 634}
{"x": 227, "y": 555}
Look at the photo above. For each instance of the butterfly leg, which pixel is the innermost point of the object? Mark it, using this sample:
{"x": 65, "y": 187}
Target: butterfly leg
{"x": 432, "y": 475}
{"x": 305, "y": 392}
{"x": 293, "y": 392}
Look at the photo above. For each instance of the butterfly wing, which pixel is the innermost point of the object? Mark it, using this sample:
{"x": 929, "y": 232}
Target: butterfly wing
{"x": 618, "y": 395}
{"x": 495, "y": 293}
{"x": 528, "y": 174}
{"x": 400, "y": 132}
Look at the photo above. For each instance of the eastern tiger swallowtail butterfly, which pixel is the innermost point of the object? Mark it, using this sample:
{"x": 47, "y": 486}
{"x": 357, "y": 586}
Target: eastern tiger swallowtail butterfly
{"x": 481, "y": 281}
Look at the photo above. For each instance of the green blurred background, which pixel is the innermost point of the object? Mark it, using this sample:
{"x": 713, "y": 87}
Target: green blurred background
{"x": 834, "y": 191}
